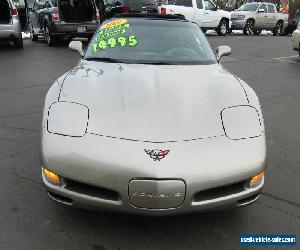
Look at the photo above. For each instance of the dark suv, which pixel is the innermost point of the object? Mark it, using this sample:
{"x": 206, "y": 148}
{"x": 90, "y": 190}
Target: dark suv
{"x": 113, "y": 7}
{"x": 57, "y": 19}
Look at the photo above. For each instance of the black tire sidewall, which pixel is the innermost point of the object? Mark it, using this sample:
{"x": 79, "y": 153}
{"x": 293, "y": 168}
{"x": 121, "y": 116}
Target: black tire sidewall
{"x": 245, "y": 30}
{"x": 18, "y": 43}
{"x": 219, "y": 31}
{"x": 50, "y": 43}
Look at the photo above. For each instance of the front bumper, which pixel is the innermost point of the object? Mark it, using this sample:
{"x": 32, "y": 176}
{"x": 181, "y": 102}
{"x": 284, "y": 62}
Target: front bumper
{"x": 97, "y": 172}
{"x": 238, "y": 24}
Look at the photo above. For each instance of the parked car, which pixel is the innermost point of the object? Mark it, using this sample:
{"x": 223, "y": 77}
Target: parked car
{"x": 150, "y": 122}
{"x": 203, "y": 12}
{"x": 64, "y": 19}
{"x": 254, "y": 17}
{"x": 24, "y": 14}
{"x": 10, "y": 23}
{"x": 296, "y": 39}
{"x": 114, "y": 7}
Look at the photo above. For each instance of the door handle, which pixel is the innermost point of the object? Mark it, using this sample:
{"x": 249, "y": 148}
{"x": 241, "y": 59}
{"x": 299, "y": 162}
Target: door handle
{"x": 206, "y": 12}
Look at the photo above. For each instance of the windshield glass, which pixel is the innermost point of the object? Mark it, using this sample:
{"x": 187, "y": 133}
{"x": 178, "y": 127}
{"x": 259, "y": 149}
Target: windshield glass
{"x": 248, "y": 7}
{"x": 150, "y": 41}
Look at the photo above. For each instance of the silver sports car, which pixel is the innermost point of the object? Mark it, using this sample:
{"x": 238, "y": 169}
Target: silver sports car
{"x": 149, "y": 122}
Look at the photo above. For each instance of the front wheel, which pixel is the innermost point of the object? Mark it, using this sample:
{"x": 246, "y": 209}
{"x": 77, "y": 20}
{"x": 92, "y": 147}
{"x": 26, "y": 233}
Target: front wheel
{"x": 34, "y": 37}
{"x": 222, "y": 28}
{"x": 249, "y": 28}
{"x": 277, "y": 31}
{"x": 50, "y": 40}
{"x": 18, "y": 43}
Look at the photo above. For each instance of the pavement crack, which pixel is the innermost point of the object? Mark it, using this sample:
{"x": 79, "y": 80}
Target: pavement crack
{"x": 27, "y": 87}
{"x": 21, "y": 129}
{"x": 281, "y": 199}
{"x": 25, "y": 178}
{"x": 279, "y": 210}
{"x": 21, "y": 114}
{"x": 14, "y": 154}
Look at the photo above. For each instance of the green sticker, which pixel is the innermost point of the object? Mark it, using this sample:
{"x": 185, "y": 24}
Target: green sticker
{"x": 112, "y": 31}
{"x": 121, "y": 41}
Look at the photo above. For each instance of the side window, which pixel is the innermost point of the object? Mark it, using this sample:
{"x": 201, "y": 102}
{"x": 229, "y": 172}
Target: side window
{"x": 199, "y": 4}
{"x": 264, "y": 7}
{"x": 271, "y": 8}
{"x": 209, "y": 5}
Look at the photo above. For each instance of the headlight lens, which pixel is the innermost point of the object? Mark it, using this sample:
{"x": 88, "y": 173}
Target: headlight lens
{"x": 241, "y": 17}
{"x": 67, "y": 118}
{"x": 241, "y": 122}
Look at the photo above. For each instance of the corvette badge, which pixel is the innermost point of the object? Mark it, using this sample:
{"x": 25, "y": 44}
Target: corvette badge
{"x": 157, "y": 154}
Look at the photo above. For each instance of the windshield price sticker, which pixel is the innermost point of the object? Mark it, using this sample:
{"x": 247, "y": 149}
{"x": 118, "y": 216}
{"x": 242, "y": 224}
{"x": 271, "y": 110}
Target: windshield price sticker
{"x": 113, "y": 28}
{"x": 114, "y": 23}
{"x": 121, "y": 41}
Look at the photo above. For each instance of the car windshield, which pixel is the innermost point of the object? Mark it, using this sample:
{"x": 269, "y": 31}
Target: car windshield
{"x": 248, "y": 7}
{"x": 140, "y": 40}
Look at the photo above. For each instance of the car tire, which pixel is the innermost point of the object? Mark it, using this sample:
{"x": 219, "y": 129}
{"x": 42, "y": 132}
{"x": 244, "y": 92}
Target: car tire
{"x": 18, "y": 43}
{"x": 223, "y": 28}
{"x": 257, "y": 32}
{"x": 278, "y": 29}
{"x": 34, "y": 37}
{"x": 50, "y": 40}
{"x": 249, "y": 27}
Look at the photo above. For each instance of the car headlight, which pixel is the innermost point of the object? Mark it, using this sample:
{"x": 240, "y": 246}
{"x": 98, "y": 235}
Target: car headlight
{"x": 241, "y": 122}
{"x": 241, "y": 17}
{"x": 68, "y": 119}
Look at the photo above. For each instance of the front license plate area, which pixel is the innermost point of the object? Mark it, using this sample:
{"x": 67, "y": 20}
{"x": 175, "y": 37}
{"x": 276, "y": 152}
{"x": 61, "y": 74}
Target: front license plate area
{"x": 81, "y": 29}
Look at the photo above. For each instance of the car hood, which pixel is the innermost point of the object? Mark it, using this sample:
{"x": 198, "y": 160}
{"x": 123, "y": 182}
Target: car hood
{"x": 153, "y": 103}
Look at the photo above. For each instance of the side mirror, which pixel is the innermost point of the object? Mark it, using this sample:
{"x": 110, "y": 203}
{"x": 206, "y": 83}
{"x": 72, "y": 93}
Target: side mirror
{"x": 77, "y": 46}
{"x": 261, "y": 11}
{"x": 223, "y": 51}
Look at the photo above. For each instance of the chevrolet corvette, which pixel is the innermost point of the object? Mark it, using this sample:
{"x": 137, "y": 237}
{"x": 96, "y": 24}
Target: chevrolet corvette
{"x": 149, "y": 122}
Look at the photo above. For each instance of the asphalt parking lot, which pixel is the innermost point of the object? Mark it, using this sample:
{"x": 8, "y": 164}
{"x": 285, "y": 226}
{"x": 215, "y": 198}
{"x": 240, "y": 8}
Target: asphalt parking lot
{"x": 29, "y": 220}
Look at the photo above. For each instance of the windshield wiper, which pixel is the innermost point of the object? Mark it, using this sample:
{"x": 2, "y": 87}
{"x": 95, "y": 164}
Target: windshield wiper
{"x": 158, "y": 63}
{"x": 103, "y": 59}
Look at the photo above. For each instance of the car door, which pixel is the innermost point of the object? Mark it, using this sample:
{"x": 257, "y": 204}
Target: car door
{"x": 271, "y": 16}
{"x": 199, "y": 13}
{"x": 210, "y": 15}
{"x": 261, "y": 17}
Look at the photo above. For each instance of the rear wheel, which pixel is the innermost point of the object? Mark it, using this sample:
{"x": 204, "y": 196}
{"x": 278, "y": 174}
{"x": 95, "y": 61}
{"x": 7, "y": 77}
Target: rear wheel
{"x": 34, "y": 37}
{"x": 18, "y": 43}
{"x": 222, "y": 28}
{"x": 249, "y": 27}
{"x": 51, "y": 41}
{"x": 277, "y": 31}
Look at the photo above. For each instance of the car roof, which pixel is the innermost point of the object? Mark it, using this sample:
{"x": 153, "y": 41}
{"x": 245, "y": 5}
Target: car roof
{"x": 153, "y": 16}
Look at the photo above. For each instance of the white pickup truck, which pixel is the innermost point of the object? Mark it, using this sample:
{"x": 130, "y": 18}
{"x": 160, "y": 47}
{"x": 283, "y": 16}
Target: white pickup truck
{"x": 203, "y": 12}
{"x": 254, "y": 17}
